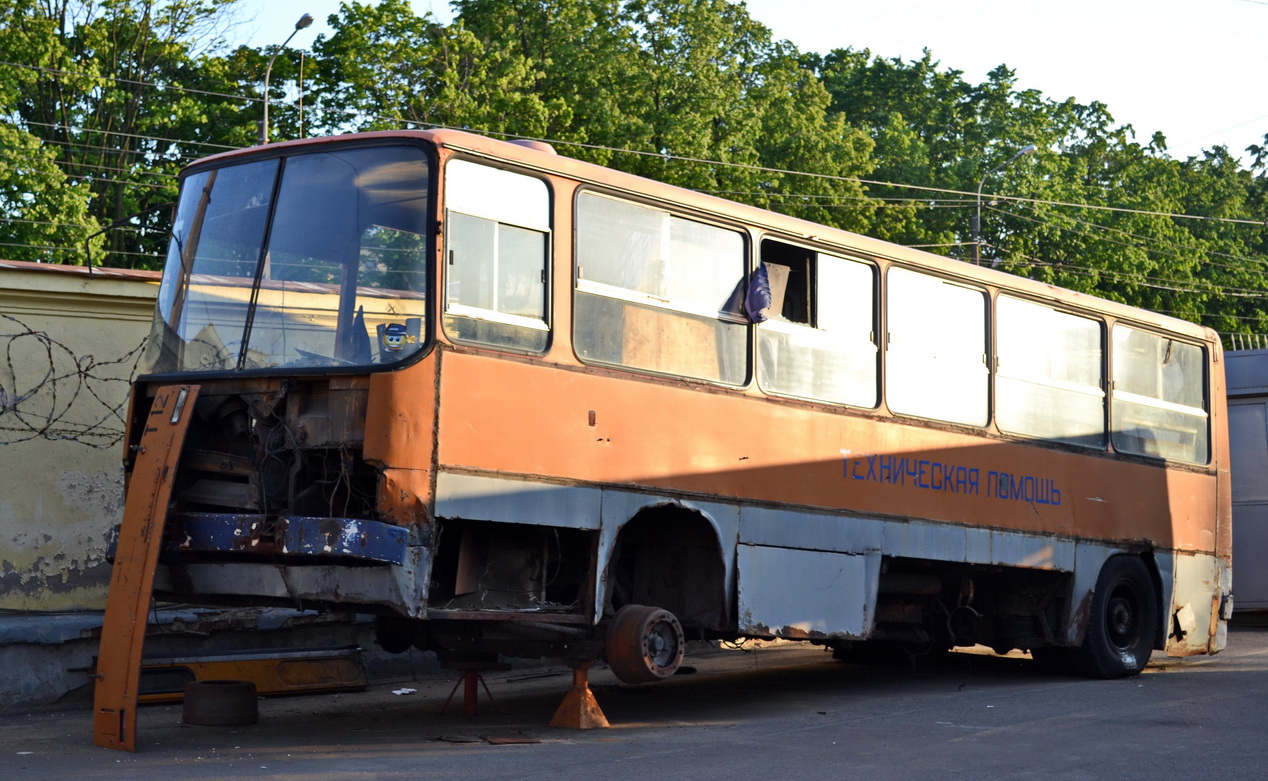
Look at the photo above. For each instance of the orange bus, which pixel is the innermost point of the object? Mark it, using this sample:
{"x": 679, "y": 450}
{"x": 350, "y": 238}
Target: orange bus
{"x": 514, "y": 403}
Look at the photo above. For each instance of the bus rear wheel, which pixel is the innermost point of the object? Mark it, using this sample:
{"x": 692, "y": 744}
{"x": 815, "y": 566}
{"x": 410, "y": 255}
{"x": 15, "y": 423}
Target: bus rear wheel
{"x": 644, "y": 644}
{"x": 1122, "y": 625}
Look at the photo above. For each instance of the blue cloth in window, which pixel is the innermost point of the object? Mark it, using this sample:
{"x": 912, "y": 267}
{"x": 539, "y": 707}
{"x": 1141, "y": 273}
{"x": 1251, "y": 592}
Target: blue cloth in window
{"x": 759, "y": 297}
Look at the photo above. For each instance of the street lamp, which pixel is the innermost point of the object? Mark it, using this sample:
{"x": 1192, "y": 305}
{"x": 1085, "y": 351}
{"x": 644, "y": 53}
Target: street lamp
{"x": 303, "y": 22}
{"x": 977, "y": 216}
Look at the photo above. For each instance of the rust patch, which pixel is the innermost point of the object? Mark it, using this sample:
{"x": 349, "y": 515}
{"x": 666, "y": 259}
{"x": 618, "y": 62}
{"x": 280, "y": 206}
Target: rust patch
{"x": 1081, "y": 615}
{"x": 403, "y": 496}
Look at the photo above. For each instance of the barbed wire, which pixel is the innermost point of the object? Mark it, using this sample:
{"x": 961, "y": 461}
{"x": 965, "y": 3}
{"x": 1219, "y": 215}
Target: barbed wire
{"x": 49, "y": 392}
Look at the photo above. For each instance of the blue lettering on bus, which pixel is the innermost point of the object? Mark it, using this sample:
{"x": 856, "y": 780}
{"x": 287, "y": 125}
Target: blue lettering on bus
{"x": 1022, "y": 488}
{"x": 930, "y": 475}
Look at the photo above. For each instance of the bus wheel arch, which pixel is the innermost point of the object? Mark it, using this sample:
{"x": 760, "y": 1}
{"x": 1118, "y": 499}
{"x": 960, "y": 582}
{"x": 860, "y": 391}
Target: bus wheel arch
{"x": 1122, "y": 625}
{"x": 670, "y": 556}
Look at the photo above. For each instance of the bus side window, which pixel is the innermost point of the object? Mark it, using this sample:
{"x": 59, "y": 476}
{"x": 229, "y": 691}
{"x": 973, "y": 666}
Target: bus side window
{"x": 1049, "y": 379}
{"x": 1159, "y": 405}
{"x": 936, "y": 352}
{"x": 819, "y": 341}
{"x": 496, "y": 251}
{"x": 658, "y": 292}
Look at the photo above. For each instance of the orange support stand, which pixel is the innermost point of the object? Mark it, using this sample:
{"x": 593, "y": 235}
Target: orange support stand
{"x": 580, "y": 710}
{"x": 136, "y": 557}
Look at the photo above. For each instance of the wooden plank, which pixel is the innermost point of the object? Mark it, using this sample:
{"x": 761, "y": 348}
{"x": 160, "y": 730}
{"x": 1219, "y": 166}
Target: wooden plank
{"x": 136, "y": 556}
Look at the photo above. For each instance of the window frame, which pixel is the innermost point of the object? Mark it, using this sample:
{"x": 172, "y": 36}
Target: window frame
{"x": 987, "y": 323}
{"x": 546, "y": 228}
{"x": 793, "y": 328}
{"x": 666, "y": 306}
{"x": 1131, "y": 397}
{"x": 281, "y": 156}
{"x": 1102, "y": 370}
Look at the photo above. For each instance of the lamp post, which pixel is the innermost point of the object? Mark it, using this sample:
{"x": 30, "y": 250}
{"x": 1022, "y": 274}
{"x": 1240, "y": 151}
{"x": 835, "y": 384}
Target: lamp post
{"x": 303, "y": 22}
{"x": 977, "y": 215}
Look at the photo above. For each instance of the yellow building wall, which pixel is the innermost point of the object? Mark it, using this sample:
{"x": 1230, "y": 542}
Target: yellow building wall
{"x": 69, "y": 344}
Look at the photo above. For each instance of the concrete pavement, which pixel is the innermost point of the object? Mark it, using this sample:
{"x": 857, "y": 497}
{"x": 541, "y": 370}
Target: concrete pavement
{"x": 786, "y": 710}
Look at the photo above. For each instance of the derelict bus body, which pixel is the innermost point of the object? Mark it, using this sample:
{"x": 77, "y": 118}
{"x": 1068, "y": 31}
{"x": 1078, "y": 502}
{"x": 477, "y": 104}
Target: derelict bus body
{"x": 515, "y": 403}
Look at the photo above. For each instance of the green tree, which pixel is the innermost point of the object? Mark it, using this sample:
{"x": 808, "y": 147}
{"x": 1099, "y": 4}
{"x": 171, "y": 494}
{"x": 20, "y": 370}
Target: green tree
{"x": 1226, "y": 198}
{"x": 109, "y": 88}
{"x": 103, "y": 102}
{"x": 45, "y": 216}
{"x": 680, "y": 85}
{"x": 580, "y": 59}
{"x": 1090, "y": 210}
{"x": 385, "y": 66}
{"x": 800, "y": 132}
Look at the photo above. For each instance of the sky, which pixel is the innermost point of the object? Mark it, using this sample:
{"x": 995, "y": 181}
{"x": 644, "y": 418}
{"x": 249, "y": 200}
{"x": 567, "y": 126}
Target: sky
{"x": 1192, "y": 69}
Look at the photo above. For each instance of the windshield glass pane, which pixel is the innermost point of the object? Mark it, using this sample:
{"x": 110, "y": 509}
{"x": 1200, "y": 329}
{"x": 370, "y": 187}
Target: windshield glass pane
{"x": 340, "y": 282}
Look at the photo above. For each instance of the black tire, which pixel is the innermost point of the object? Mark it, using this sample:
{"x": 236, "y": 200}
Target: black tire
{"x": 1123, "y": 623}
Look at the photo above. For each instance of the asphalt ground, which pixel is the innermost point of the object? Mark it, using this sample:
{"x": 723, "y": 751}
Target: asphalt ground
{"x": 782, "y": 711}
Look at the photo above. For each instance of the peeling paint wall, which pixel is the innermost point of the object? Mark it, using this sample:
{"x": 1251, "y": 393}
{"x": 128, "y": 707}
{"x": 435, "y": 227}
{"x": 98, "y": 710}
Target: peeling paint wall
{"x": 68, "y": 347}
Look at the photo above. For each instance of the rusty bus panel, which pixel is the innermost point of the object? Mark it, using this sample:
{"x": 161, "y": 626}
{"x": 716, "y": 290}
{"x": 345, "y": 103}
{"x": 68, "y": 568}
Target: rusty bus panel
{"x": 400, "y": 416}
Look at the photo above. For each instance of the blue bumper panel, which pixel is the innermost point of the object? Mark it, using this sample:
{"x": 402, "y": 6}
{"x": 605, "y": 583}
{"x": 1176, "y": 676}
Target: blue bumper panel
{"x": 344, "y": 537}
{"x": 216, "y": 532}
{"x": 294, "y": 536}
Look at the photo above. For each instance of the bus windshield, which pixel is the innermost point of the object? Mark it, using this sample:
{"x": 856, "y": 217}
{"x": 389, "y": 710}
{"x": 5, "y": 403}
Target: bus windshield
{"x": 312, "y": 261}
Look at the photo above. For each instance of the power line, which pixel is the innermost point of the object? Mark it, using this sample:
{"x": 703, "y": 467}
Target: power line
{"x": 789, "y": 199}
{"x": 115, "y": 151}
{"x": 54, "y": 224}
{"x": 93, "y": 166}
{"x": 923, "y": 188}
{"x": 126, "y": 227}
{"x": 1150, "y": 239}
{"x": 1157, "y": 248}
{"x": 120, "y": 80}
{"x": 809, "y": 174}
{"x": 63, "y": 250}
{"x": 1141, "y": 281}
{"x": 121, "y": 134}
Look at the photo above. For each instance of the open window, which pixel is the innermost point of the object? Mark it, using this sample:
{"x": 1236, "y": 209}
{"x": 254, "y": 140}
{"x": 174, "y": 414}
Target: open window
{"x": 818, "y": 341}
